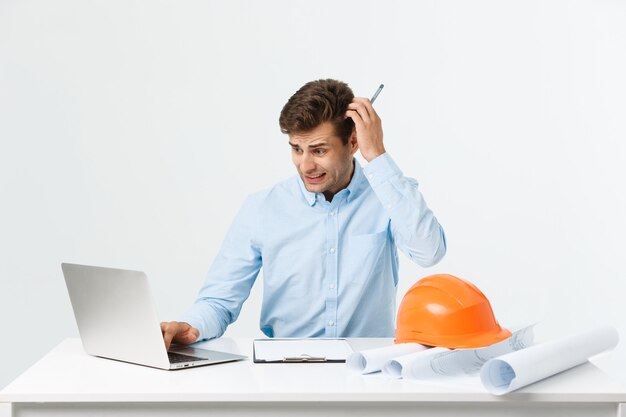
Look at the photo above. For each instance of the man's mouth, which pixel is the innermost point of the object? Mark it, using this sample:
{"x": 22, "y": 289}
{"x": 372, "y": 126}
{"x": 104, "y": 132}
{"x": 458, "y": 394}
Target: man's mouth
{"x": 315, "y": 178}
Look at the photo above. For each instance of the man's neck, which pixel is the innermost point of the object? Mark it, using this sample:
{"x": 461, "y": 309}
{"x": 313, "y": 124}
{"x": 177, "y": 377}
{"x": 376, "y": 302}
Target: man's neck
{"x": 330, "y": 194}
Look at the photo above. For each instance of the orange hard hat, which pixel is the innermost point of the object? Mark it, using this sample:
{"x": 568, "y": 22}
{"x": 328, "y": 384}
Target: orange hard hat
{"x": 443, "y": 310}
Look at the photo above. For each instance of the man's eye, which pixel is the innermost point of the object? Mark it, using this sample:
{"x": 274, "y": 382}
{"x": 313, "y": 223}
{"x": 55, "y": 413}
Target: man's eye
{"x": 320, "y": 152}
{"x": 296, "y": 150}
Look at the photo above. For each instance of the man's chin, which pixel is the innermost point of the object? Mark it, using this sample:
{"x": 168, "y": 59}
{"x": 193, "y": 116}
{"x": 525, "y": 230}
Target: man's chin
{"x": 314, "y": 188}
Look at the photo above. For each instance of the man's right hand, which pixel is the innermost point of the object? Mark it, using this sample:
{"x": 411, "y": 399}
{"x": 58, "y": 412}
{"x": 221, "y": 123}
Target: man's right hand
{"x": 178, "y": 332}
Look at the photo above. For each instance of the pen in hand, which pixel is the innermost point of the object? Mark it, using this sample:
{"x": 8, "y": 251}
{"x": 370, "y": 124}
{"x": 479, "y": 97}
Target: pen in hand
{"x": 380, "y": 88}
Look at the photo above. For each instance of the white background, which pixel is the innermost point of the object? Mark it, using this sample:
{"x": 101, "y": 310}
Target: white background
{"x": 131, "y": 131}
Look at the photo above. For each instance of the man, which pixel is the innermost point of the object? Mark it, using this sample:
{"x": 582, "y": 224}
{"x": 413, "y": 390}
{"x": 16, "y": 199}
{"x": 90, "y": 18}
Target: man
{"x": 327, "y": 238}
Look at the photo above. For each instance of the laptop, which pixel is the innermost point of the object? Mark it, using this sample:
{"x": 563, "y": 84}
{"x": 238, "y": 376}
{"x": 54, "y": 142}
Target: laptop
{"x": 117, "y": 320}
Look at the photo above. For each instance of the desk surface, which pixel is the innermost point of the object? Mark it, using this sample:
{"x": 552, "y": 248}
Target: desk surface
{"x": 67, "y": 374}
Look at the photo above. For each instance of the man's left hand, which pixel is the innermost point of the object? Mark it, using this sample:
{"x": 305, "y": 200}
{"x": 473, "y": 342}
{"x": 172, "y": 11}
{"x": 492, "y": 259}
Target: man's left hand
{"x": 369, "y": 129}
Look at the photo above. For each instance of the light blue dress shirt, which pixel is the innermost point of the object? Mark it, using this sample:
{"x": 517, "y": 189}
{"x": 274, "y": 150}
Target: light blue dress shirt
{"x": 330, "y": 269}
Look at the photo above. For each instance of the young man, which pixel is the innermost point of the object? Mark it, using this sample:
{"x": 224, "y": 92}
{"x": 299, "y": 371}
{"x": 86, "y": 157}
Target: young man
{"x": 327, "y": 238}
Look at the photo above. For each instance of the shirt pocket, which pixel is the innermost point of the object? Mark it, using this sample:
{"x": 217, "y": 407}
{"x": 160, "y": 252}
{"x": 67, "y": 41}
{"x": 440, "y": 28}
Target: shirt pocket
{"x": 364, "y": 256}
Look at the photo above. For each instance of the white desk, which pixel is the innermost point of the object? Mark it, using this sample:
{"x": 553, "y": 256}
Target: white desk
{"x": 68, "y": 382}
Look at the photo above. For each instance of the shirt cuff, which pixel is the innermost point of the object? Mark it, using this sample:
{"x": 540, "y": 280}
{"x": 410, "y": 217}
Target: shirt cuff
{"x": 380, "y": 169}
{"x": 202, "y": 319}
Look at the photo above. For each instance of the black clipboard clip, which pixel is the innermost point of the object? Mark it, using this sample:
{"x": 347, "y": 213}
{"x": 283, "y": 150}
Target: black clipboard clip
{"x": 303, "y": 358}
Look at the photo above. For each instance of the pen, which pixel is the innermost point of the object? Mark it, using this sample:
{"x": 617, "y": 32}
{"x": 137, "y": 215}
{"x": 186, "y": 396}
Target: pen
{"x": 380, "y": 88}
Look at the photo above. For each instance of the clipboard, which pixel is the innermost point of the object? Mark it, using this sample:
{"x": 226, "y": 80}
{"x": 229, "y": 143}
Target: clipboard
{"x": 294, "y": 350}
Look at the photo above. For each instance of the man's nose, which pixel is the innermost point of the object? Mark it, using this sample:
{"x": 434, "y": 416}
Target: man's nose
{"x": 306, "y": 163}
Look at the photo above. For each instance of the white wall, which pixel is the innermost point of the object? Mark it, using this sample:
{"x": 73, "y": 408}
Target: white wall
{"x": 131, "y": 131}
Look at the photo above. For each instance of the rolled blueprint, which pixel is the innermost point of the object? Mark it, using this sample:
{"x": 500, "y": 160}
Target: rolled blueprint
{"x": 514, "y": 370}
{"x": 402, "y": 366}
{"x": 372, "y": 360}
{"x": 470, "y": 361}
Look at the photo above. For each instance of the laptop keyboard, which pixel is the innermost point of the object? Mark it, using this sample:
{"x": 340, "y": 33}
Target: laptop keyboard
{"x": 178, "y": 358}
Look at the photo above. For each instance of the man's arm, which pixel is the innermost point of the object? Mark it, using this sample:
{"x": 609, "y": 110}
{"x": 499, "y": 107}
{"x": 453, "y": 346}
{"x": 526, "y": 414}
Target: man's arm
{"x": 415, "y": 229}
{"x": 227, "y": 284}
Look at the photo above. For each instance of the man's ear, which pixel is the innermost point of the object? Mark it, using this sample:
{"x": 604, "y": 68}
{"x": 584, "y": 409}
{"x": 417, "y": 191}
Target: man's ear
{"x": 353, "y": 142}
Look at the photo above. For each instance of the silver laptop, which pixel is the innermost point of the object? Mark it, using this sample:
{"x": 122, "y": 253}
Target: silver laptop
{"x": 117, "y": 320}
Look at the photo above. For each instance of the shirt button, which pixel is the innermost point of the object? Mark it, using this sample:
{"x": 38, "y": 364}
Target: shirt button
{"x": 370, "y": 176}
{"x": 332, "y": 286}
{"x": 331, "y": 323}
{"x": 332, "y": 250}
{"x": 332, "y": 213}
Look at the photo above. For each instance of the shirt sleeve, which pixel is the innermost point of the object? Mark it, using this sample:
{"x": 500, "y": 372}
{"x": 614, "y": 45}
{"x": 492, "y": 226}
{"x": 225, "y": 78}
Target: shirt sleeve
{"x": 415, "y": 230}
{"x": 230, "y": 277}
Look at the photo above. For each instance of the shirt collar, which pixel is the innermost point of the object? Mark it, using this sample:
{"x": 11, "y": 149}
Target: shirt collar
{"x": 308, "y": 195}
{"x": 352, "y": 188}
{"x": 357, "y": 179}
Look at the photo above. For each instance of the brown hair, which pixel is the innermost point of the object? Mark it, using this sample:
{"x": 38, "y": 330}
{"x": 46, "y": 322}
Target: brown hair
{"x": 317, "y": 102}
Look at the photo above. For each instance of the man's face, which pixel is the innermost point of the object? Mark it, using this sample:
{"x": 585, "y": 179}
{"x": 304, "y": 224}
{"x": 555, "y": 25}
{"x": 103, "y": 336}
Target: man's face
{"x": 322, "y": 160}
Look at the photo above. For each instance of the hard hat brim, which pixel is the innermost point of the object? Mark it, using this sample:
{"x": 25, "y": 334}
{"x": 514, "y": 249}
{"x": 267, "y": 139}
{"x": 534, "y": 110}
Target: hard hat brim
{"x": 455, "y": 342}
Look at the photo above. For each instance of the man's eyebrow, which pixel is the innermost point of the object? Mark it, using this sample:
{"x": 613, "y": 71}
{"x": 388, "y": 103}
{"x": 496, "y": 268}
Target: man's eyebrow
{"x": 317, "y": 145}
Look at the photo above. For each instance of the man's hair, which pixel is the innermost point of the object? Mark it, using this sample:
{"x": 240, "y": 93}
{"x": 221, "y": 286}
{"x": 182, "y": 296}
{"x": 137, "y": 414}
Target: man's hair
{"x": 317, "y": 102}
